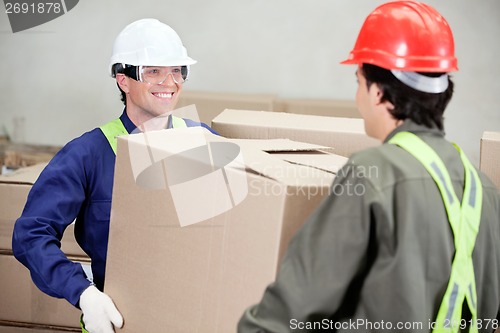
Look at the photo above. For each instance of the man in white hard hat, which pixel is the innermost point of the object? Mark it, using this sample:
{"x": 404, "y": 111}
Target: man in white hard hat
{"x": 150, "y": 65}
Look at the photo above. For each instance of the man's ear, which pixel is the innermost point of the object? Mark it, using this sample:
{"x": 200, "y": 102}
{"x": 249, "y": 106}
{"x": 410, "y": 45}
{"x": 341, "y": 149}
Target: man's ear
{"x": 122, "y": 82}
{"x": 376, "y": 94}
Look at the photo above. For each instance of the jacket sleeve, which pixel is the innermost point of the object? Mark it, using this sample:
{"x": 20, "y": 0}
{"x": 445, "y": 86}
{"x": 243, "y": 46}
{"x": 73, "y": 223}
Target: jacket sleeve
{"x": 324, "y": 265}
{"x": 53, "y": 203}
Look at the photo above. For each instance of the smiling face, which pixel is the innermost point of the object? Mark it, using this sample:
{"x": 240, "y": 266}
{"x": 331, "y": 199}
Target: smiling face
{"x": 146, "y": 101}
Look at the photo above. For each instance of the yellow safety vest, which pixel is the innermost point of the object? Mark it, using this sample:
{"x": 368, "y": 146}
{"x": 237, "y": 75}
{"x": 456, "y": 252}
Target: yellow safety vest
{"x": 464, "y": 218}
{"x": 116, "y": 128}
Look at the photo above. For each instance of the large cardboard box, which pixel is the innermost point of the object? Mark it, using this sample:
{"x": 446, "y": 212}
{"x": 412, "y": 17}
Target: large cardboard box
{"x": 344, "y": 135}
{"x": 490, "y": 156}
{"x": 195, "y": 238}
{"x": 14, "y": 189}
{"x": 23, "y": 302}
{"x": 210, "y": 104}
{"x": 318, "y": 107}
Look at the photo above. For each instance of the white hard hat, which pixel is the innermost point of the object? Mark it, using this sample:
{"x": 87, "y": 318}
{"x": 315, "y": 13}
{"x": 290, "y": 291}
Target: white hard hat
{"x": 149, "y": 42}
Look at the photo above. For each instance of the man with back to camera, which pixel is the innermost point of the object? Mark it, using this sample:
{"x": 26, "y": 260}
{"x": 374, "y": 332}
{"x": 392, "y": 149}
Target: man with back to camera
{"x": 150, "y": 65}
{"x": 419, "y": 248}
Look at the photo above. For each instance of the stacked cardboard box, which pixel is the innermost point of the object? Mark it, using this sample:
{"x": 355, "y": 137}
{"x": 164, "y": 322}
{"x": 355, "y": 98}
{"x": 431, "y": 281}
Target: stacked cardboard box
{"x": 34, "y": 329}
{"x": 210, "y": 104}
{"x": 16, "y": 155}
{"x": 23, "y": 305}
{"x": 318, "y": 107}
{"x": 210, "y": 221}
{"x": 490, "y": 156}
{"x": 345, "y": 135}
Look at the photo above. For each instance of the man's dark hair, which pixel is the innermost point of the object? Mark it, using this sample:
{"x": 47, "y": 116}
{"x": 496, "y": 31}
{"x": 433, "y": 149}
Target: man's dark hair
{"x": 128, "y": 70}
{"x": 123, "y": 96}
{"x": 423, "y": 108}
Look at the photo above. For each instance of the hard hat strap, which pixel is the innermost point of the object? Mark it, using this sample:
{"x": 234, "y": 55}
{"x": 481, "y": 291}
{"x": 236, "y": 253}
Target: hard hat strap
{"x": 433, "y": 85}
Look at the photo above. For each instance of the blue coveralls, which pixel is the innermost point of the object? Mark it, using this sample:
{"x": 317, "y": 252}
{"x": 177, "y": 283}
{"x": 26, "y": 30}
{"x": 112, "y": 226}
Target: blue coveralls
{"x": 77, "y": 183}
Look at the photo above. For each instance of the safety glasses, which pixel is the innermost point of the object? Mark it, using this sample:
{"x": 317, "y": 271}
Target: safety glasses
{"x": 159, "y": 74}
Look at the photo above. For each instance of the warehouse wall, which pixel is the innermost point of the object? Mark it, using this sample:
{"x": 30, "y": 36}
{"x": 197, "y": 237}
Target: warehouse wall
{"x": 55, "y": 82}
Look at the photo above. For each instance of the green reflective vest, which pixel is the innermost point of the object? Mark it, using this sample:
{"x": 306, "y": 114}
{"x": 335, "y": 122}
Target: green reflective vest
{"x": 464, "y": 218}
{"x": 115, "y": 128}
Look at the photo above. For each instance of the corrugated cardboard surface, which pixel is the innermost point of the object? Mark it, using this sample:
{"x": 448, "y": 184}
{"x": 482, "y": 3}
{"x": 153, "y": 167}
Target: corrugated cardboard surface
{"x": 210, "y": 104}
{"x": 345, "y": 135}
{"x": 14, "y": 189}
{"x": 201, "y": 277}
{"x": 26, "y": 175}
{"x": 23, "y": 302}
{"x": 318, "y": 107}
{"x": 490, "y": 156}
{"x": 27, "y": 328}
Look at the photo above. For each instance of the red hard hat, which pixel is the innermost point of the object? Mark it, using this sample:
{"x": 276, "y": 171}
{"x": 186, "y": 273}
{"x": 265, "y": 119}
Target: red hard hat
{"x": 405, "y": 35}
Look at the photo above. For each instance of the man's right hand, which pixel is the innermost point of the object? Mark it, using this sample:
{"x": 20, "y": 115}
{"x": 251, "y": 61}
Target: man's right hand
{"x": 99, "y": 311}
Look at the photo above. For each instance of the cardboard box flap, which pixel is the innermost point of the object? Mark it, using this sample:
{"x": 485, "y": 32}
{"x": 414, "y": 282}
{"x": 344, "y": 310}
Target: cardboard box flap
{"x": 301, "y": 153}
{"x": 280, "y": 145}
{"x": 326, "y": 162}
{"x": 26, "y": 175}
{"x": 150, "y": 148}
{"x": 290, "y": 174}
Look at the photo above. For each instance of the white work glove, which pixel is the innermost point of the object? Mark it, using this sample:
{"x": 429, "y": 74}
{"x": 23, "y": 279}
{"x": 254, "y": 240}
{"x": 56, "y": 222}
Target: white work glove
{"x": 99, "y": 311}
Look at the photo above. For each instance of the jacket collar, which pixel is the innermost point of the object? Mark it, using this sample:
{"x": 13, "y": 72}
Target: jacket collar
{"x": 127, "y": 123}
{"x": 410, "y": 126}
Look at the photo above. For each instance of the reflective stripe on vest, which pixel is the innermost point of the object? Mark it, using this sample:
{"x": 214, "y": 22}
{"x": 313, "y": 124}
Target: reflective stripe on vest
{"x": 464, "y": 219}
{"x": 82, "y": 325}
{"x": 116, "y": 128}
{"x": 177, "y": 122}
